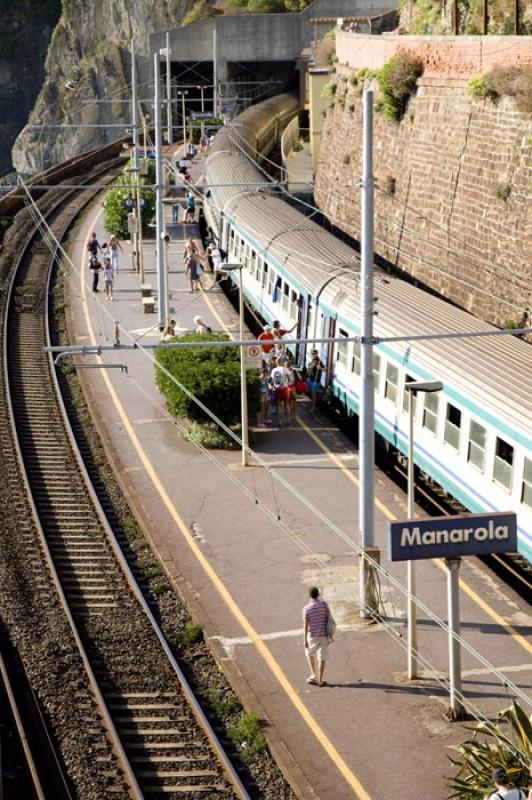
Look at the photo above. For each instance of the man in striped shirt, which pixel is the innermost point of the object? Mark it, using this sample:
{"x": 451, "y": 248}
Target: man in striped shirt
{"x": 315, "y": 616}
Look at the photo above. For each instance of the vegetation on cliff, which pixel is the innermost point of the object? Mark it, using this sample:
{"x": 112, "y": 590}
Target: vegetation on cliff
{"x": 512, "y": 81}
{"x": 433, "y": 17}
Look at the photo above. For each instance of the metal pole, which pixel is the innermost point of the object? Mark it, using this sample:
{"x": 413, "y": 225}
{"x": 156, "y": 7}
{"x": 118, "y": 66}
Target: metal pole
{"x": 455, "y": 671}
{"x": 485, "y": 17}
{"x": 410, "y": 565}
{"x": 215, "y": 67}
{"x": 243, "y": 374}
{"x": 169, "y": 132}
{"x": 202, "y": 126}
{"x": 134, "y": 107}
{"x": 159, "y": 222}
{"x": 367, "y": 410}
{"x": 183, "y": 121}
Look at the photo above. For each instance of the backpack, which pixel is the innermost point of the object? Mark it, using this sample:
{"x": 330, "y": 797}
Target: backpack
{"x": 331, "y": 626}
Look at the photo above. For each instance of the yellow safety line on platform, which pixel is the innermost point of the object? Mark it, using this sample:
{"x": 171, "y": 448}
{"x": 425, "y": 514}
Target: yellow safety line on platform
{"x": 383, "y": 508}
{"x": 250, "y": 631}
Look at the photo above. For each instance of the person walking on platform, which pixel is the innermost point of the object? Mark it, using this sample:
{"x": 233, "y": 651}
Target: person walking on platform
{"x": 95, "y": 268}
{"x": 314, "y": 371}
{"x": 190, "y": 208}
{"x": 93, "y": 245}
{"x": 194, "y": 272}
{"x": 315, "y": 615}
{"x": 108, "y": 277}
{"x": 503, "y": 790}
{"x": 114, "y": 247}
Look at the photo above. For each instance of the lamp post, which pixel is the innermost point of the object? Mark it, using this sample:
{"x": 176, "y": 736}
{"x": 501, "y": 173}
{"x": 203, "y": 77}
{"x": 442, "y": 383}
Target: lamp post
{"x": 182, "y": 94}
{"x": 202, "y": 126}
{"x": 243, "y": 379}
{"x": 413, "y": 387}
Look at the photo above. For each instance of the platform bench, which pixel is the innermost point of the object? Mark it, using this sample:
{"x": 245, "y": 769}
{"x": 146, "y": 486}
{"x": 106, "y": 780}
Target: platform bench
{"x": 145, "y": 289}
{"x": 148, "y": 304}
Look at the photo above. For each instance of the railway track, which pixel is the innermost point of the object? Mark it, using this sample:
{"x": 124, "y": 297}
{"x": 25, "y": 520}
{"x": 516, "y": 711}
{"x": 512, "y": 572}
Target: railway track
{"x": 161, "y": 743}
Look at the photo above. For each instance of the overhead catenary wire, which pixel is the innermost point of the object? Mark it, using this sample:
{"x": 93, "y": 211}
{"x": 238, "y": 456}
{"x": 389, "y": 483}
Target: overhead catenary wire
{"x": 295, "y": 493}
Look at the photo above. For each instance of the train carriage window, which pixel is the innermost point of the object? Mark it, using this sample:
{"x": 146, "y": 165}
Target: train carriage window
{"x": 476, "y": 451}
{"x": 265, "y": 275}
{"x": 232, "y": 241}
{"x": 253, "y": 263}
{"x": 430, "y": 413}
{"x": 341, "y": 352}
{"x": 407, "y": 394}
{"x": 392, "y": 380}
{"x": 294, "y": 308}
{"x": 355, "y": 361}
{"x": 453, "y": 421}
{"x": 286, "y": 297}
{"x": 271, "y": 281}
{"x": 246, "y": 256}
{"x": 503, "y": 463}
{"x": 376, "y": 370}
{"x": 526, "y": 492}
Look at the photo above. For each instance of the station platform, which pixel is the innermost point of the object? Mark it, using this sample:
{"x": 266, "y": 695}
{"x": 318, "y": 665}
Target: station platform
{"x": 370, "y": 733}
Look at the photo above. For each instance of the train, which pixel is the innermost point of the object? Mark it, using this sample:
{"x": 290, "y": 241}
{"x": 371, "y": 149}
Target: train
{"x": 474, "y": 437}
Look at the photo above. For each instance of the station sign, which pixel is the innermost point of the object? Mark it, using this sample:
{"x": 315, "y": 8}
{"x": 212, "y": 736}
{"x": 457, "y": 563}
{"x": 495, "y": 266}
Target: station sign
{"x": 253, "y": 357}
{"x": 451, "y": 537}
{"x": 201, "y": 115}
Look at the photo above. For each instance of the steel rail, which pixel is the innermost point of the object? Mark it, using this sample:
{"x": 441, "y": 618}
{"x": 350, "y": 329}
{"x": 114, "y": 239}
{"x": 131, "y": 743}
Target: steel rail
{"x": 227, "y": 768}
{"x": 106, "y": 718}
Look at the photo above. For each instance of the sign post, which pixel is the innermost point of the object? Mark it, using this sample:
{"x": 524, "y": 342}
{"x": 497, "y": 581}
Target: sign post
{"x": 450, "y": 538}
{"x": 456, "y": 710}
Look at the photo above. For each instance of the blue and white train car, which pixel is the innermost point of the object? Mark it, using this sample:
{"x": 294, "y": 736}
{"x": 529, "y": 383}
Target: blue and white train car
{"x": 475, "y": 437}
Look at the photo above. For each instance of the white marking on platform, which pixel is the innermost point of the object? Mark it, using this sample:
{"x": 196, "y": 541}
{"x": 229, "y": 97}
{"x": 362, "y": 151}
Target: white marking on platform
{"x": 148, "y": 420}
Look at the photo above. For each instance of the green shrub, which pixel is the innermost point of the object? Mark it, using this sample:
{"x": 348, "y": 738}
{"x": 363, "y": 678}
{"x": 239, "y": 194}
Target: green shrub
{"x": 247, "y": 733}
{"x": 212, "y": 374}
{"x": 503, "y": 190}
{"x": 397, "y": 82}
{"x": 506, "y": 744}
{"x": 192, "y": 634}
{"x": 200, "y": 11}
{"x": 211, "y": 436}
{"x": 426, "y": 18}
{"x": 478, "y": 87}
{"x": 115, "y": 212}
{"x": 329, "y": 89}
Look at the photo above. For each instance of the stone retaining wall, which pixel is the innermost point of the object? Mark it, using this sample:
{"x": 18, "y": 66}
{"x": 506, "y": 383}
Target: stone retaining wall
{"x": 438, "y": 173}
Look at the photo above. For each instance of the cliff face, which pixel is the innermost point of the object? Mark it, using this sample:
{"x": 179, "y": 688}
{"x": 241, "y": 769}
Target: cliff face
{"x": 452, "y": 201}
{"x": 24, "y": 37}
{"x": 89, "y": 60}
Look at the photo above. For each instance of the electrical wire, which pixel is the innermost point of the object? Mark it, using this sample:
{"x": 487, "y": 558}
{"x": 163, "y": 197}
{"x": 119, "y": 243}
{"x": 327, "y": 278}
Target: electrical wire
{"x": 279, "y": 478}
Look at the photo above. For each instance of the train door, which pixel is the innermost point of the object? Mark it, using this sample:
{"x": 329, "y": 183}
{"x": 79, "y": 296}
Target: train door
{"x": 327, "y": 348}
{"x": 302, "y": 327}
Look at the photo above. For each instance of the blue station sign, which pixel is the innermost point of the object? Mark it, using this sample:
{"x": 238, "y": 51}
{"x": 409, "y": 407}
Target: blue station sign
{"x": 450, "y": 537}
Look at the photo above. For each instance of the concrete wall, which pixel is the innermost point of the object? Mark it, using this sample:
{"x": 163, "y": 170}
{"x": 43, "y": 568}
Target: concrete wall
{"x": 261, "y": 37}
{"x": 442, "y": 56}
{"x": 438, "y": 216}
{"x": 317, "y": 105}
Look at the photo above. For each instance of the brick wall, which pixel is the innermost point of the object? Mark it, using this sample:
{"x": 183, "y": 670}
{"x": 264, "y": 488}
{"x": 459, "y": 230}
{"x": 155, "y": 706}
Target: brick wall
{"x": 442, "y": 56}
{"x": 443, "y": 223}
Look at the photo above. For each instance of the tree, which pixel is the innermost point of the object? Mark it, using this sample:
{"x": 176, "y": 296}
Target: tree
{"x": 211, "y": 374}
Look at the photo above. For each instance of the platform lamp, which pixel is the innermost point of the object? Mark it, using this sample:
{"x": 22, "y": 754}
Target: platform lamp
{"x": 413, "y": 387}
{"x": 227, "y": 268}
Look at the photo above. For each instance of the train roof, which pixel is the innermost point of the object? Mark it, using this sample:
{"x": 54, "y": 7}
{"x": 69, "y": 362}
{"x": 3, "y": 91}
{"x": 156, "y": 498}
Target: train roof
{"x": 495, "y": 372}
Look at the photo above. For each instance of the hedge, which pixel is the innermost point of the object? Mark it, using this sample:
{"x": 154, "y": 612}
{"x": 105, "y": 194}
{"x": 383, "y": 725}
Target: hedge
{"x": 212, "y": 374}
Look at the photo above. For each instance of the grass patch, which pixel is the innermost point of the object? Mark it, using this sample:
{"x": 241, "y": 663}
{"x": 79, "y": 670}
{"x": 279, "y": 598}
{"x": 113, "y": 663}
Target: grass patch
{"x": 247, "y": 733}
{"x": 223, "y": 704}
{"x": 397, "y": 82}
{"x": 192, "y": 634}
{"x": 503, "y": 190}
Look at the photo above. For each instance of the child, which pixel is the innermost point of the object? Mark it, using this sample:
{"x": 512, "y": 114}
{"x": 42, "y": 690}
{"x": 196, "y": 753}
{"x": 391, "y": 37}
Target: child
{"x": 108, "y": 276}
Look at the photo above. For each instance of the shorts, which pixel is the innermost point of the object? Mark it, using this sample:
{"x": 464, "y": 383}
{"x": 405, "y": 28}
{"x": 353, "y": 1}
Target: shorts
{"x": 314, "y": 386}
{"x": 282, "y": 394}
{"x": 318, "y": 647}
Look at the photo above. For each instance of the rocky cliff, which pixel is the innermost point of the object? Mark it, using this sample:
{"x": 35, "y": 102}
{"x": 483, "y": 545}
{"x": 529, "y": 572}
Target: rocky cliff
{"x": 27, "y": 26}
{"x": 88, "y": 74}
{"x": 452, "y": 201}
